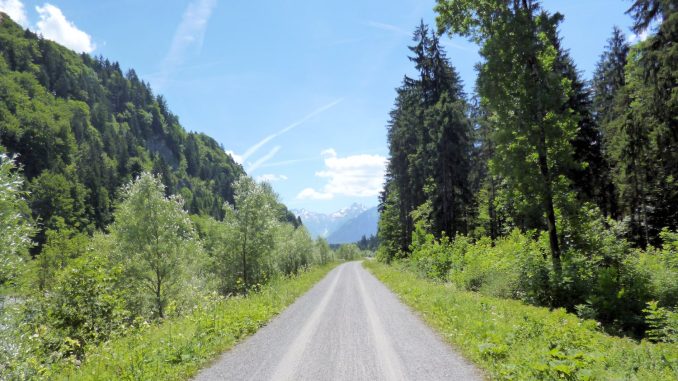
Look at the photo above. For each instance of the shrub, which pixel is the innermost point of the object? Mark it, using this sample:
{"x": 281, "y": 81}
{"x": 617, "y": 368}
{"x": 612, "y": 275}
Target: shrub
{"x": 348, "y": 252}
{"x": 603, "y": 278}
{"x": 663, "y": 323}
{"x": 86, "y": 305}
{"x": 293, "y": 250}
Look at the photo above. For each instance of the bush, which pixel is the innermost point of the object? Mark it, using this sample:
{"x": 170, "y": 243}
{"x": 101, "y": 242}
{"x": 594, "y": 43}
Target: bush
{"x": 85, "y": 306}
{"x": 294, "y": 249}
{"x": 178, "y": 347}
{"x": 348, "y": 252}
{"x": 323, "y": 252}
{"x": 603, "y": 278}
{"x": 663, "y": 323}
{"x": 433, "y": 258}
{"x": 16, "y": 225}
{"x": 661, "y": 266}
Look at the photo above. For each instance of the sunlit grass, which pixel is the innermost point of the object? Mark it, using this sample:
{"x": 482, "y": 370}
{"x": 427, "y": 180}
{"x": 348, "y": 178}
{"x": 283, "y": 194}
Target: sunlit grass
{"x": 514, "y": 341}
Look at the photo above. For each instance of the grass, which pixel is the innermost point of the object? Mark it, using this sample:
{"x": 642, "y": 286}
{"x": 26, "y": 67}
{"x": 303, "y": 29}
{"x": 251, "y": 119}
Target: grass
{"x": 178, "y": 348}
{"x": 514, "y": 341}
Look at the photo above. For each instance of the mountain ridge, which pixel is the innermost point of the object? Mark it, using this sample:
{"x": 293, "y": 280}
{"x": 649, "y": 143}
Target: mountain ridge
{"x": 363, "y": 225}
{"x": 326, "y": 225}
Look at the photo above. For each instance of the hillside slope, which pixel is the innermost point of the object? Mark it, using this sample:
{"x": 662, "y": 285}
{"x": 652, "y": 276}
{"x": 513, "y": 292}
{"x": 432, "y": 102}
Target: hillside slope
{"x": 82, "y": 128}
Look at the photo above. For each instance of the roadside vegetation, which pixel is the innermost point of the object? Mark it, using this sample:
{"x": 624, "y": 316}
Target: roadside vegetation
{"x": 178, "y": 347}
{"x": 510, "y": 340}
{"x": 542, "y": 187}
{"x": 156, "y": 271}
{"x": 117, "y": 224}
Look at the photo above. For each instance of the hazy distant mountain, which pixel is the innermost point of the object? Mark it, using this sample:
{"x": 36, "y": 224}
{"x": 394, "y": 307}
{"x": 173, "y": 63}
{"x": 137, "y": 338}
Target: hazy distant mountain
{"x": 323, "y": 225}
{"x": 365, "y": 224}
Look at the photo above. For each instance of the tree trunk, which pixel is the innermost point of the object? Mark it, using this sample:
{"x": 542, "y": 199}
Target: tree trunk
{"x": 548, "y": 203}
{"x": 542, "y": 152}
{"x": 158, "y": 295}
{"x": 492, "y": 212}
{"x": 244, "y": 261}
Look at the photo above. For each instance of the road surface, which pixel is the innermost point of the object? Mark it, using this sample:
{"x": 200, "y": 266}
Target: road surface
{"x": 347, "y": 327}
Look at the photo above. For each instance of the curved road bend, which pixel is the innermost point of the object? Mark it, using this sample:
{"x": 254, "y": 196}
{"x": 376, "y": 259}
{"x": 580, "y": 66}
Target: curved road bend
{"x": 347, "y": 327}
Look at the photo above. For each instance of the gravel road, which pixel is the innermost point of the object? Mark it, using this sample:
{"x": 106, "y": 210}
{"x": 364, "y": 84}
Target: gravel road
{"x": 347, "y": 327}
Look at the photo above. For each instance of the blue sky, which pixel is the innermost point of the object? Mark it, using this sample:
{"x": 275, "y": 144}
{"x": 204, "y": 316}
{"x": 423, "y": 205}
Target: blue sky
{"x": 300, "y": 90}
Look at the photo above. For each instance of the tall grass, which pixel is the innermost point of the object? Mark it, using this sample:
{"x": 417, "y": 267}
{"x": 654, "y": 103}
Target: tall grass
{"x": 178, "y": 348}
{"x": 514, "y": 341}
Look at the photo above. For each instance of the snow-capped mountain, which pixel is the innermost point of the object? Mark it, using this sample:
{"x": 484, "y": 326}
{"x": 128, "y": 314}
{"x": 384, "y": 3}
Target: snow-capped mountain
{"x": 322, "y": 225}
{"x": 365, "y": 224}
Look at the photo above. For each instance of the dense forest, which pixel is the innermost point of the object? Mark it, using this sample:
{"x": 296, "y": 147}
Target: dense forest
{"x": 112, "y": 216}
{"x": 542, "y": 186}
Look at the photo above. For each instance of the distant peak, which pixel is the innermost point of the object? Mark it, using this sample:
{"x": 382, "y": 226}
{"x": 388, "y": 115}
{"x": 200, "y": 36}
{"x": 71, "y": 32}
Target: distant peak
{"x": 353, "y": 208}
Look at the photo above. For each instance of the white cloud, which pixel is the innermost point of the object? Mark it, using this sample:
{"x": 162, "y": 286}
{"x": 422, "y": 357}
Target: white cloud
{"x": 237, "y": 158}
{"x": 271, "y": 178}
{"x": 312, "y": 194}
{"x": 15, "y": 10}
{"x": 356, "y": 176}
{"x": 54, "y": 26}
{"x": 189, "y": 34}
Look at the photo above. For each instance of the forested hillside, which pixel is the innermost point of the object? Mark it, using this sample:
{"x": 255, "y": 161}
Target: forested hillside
{"x": 113, "y": 218}
{"x": 81, "y": 128}
{"x": 541, "y": 186}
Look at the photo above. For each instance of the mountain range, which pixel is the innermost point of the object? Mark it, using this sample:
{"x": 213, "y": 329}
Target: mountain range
{"x": 346, "y": 225}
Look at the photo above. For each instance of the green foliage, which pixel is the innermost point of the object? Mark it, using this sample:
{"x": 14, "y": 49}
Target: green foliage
{"x": 156, "y": 244}
{"x": 368, "y": 243}
{"x": 513, "y": 341}
{"x": 82, "y": 128}
{"x": 523, "y": 89}
{"x": 663, "y": 323}
{"x": 16, "y": 227}
{"x": 61, "y": 247}
{"x": 323, "y": 251}
{"x": 587, "y": 175}
{"x": 602, "y": 278}
{"x": 432, "y": 257}
{"x": 662, "y": 266}
{"x": 391, "y": 228}
{"x": 429, "y": 144}
{"x": 86, "y": 305}
{"x": 348, "y": 252}
{"x": 179, "y": 347}
{"x": 251, "y": 224}
{"x": 294, "y": 249}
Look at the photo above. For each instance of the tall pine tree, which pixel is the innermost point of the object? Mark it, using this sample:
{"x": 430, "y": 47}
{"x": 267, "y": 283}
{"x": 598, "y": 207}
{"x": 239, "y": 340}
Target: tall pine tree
{"x": 429, "y": 143}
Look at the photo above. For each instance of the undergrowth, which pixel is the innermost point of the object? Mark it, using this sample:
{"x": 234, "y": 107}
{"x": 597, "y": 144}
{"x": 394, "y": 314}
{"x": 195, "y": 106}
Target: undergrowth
{"x": 178, "y": 348}
{"x": 514, "y": 341}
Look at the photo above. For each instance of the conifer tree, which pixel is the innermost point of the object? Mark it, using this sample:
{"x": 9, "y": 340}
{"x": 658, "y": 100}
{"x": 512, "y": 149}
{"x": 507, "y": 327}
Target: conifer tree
{"x": 429, "y": 144}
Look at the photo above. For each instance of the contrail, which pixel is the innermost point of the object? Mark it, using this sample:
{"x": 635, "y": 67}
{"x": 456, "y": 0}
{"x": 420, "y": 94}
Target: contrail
{"x": 263, "y": 159}
{"x": 189, "y": 33}
{"x": 250, "y": 151}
